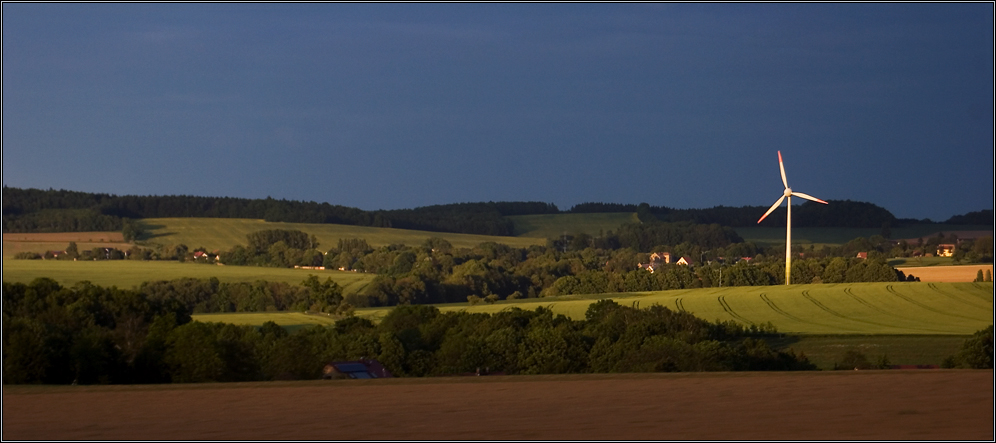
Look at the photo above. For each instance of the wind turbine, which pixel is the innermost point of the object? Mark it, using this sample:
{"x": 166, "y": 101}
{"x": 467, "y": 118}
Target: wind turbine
{"x": 787, "y": 195}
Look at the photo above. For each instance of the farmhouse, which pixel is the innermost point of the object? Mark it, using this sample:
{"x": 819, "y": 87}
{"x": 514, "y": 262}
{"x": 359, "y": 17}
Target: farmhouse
{"x": 363, "y": 368}
{"x": 945, "y": 250}
{"x": 684, "y": 261}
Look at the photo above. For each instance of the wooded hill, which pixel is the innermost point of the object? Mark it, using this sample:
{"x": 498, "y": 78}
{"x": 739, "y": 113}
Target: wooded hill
{"x": 35, "y": 210}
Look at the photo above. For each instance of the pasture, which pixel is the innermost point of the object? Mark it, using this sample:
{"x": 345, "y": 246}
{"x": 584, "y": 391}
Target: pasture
{"x": 131, "y": 273}
{"x": 224, "y": 233}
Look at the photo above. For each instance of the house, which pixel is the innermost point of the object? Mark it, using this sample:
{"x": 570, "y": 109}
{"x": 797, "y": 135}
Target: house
{"x": 662, "y": 257}
{"x": 649, "y": 266}
{"x": 862, "y": 255}
{"x": 684, "y": 261}
{"x": 362, "y": 368}
{"x": 945, "y": 250}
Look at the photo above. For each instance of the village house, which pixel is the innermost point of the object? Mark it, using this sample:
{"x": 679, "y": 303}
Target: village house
{"x": 363, "y": 368}
{"x": 945, "y": 250}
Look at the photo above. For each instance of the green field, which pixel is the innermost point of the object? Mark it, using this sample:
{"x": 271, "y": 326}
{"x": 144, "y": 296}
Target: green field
{"x": 555, "y": 225}
{"x": 224, "y": 233}
{"x": 935, "y": 309}
{"x": 825, "y": 350}
{"x": 765, "y": 236}
{"x": 131, "y": 273}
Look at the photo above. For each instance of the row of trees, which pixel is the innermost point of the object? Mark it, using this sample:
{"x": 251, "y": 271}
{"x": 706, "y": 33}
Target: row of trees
{"x": 35, "y": 210}
{"x": 436, "y": 272}
{"x": 88, "y": 334}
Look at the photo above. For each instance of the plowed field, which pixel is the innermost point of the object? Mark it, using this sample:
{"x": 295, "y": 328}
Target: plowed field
{"x": 890, "y": 405}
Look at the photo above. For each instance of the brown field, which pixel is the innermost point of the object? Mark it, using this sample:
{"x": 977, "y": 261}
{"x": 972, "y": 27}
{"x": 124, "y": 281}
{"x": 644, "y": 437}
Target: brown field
{"x": 57, "y": 241}
{"x": 65, "y": 237}
{"x": 844, "y": 405}
{"x": 966, "y": 273}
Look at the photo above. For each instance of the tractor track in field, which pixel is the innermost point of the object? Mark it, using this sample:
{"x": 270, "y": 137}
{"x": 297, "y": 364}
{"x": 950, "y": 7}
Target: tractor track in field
{"x": 729, "y": 310}
{"x": 956, "y": 298}
{"x": 771, "y": 305}
{"x": 893, "y": 291}
{"x": 679, "y": 304}
{"x": 837, "y": 314}
{"x": 882, "y": 311}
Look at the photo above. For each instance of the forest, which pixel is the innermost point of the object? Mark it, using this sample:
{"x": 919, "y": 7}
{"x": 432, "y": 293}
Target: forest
{"x": 88, "y": 334}
{"x": 35, "y": 210}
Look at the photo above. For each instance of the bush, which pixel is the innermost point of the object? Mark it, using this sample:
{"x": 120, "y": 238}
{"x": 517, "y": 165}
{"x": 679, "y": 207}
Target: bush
{"x": 27, "y": 256}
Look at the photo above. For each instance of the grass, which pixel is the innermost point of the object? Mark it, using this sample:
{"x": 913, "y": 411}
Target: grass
{"x": 826, "y": 350}
{"x": 131, "y": 273}
{"x": 555, "y": 225}
{"x": 291, "y": 321}
{"x": 224, "y": 233}
{"x": 855, "y": 309}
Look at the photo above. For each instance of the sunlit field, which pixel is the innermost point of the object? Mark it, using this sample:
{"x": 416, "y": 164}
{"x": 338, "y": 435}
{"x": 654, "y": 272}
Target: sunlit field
{"x": 131, "y": 273}
{"x": 849, "y": 309}
{"x": 224, "y": 233}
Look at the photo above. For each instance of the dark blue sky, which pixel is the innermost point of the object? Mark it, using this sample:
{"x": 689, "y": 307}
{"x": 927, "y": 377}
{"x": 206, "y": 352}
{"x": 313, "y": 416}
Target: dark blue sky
{"x": 384, "y": 106}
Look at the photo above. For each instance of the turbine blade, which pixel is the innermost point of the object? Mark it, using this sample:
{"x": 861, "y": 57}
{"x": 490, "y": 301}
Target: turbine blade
{"x": 772, "y": 208}
{"x": 808, "y": 197}
{"x": 781, "y": 167}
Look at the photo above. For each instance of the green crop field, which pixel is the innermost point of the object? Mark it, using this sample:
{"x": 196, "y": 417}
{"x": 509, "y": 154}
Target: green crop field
{"x": 555, "y": 225}
{"x": 131, "y": 273}
{"x": 224, "y": 233}
{"x": 936, "y": 309}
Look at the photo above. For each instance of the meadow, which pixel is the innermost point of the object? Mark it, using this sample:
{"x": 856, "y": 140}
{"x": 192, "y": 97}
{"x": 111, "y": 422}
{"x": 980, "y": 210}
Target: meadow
{"x": 224, "y": 233}
{"x": 131, "y": 273}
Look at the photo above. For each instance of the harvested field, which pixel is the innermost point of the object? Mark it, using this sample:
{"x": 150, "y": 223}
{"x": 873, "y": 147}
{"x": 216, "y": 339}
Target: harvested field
{"x": 110, "y": 237}
{"x": 946, "y": 274}
{"x": 890, "y": 405}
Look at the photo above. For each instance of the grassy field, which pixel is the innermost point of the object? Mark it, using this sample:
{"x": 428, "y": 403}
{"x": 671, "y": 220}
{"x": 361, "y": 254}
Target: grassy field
{"x": 555, "y": 225}
{"x": 936, "y": 309}
{"x": 825, "y": 350}
{"x": 224, "y": 233}
{"x": 131, "y": 273}
{"x": 837, "y": 236}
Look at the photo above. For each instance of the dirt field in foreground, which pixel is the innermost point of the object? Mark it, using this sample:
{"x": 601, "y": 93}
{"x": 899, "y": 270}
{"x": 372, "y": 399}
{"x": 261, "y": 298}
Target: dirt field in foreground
{"x": 894, "y": 405}
{"x": 946, "y": 274}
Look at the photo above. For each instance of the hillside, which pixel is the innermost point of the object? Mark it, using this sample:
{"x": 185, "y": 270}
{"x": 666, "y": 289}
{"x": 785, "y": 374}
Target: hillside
{"x": 223, "y": 233}
{"x": 837, "y": 309}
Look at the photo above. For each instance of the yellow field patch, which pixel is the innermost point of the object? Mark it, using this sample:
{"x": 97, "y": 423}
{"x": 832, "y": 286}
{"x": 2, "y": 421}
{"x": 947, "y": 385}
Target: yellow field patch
{"x": 946, "y": 274}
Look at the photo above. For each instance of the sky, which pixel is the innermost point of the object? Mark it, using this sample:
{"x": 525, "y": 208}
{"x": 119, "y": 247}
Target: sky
{"x": 388, "y": 106}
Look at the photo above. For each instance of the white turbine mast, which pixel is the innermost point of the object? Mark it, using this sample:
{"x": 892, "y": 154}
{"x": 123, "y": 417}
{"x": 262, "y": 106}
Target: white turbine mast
{"x": 787, "y": 195}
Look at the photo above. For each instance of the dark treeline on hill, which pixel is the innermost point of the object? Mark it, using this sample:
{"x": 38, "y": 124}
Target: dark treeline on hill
{"x": 89, "y": 334}
{"x": 838, "y": 213}
{"x": 34, "y": 210}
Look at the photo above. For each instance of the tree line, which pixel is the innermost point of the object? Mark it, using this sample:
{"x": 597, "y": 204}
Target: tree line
{"x": 88, "y": 334}
{"x": 35, "y": 210}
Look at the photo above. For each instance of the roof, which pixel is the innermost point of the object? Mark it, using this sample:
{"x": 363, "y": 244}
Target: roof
{"x": 363, "y": 368}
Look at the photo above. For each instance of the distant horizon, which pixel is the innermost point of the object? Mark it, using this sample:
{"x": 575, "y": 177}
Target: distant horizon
{"x": 559, "y": 207}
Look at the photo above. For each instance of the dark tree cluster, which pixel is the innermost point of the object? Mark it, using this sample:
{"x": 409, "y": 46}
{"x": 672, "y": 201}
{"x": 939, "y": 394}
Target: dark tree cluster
{"x": 983, "y": 217}
{"x": 34, "y": 210}
{"x": 87, "y": 334}
{"x": 202, "y": 296}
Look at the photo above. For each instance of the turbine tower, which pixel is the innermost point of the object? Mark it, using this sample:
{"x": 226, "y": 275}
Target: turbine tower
{"x": 787, "y": 195}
